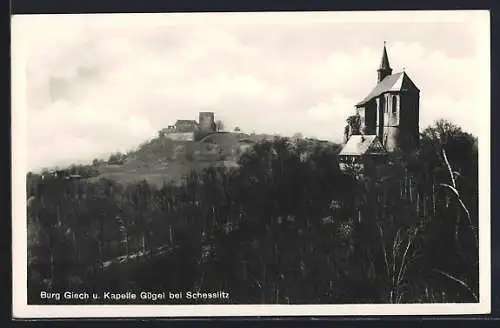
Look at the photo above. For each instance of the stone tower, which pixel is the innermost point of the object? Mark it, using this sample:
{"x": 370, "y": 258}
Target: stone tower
{"x": 391, "y": 109}
{"x": 207, "y": 121}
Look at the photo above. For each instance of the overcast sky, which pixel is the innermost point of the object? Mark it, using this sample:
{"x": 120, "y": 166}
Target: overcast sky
{"x": 102, "y": 83}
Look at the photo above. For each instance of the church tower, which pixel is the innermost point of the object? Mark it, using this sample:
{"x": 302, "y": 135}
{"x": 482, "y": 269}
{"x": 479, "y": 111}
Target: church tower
{"x": 384, "y": 69}
{"x": 391, "y": 109}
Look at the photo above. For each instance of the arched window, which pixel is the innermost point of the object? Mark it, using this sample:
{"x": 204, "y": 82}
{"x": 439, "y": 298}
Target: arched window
{"x": 394, "y": 104}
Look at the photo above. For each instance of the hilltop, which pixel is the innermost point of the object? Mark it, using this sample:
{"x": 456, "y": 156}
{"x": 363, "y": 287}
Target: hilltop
{"x": 162, "y": 160}
{"x": 179, "y": 149}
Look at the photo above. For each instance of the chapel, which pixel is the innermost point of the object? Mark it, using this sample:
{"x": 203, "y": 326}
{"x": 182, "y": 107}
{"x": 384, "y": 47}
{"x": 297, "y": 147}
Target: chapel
{"x": 388, "y": 117}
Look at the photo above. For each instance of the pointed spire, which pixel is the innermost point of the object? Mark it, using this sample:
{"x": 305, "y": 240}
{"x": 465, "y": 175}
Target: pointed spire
{"x": 385, "y": 68}
{"x": 384, "y": 63}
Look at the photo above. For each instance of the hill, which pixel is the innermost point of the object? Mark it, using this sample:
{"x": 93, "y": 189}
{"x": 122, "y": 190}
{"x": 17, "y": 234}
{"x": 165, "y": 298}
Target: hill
{"x": 163, "y": 160}
{"x": 289, "y": 228}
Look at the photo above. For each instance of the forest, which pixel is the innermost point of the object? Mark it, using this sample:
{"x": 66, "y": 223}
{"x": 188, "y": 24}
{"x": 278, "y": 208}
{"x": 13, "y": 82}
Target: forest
{"x": 285, "y": 227}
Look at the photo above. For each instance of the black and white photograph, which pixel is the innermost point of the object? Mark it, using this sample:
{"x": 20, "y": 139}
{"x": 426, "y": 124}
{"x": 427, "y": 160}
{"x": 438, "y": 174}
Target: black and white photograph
{"x": 251, "y": 164}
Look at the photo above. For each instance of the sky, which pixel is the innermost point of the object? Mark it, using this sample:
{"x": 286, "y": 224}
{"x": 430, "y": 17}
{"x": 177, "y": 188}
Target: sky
{"x": 96, "y": 84}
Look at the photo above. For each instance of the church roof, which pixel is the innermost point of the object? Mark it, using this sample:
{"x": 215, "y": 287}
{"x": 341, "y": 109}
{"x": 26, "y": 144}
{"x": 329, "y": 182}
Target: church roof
{"x": 362, "y": 144}
{"x": 394, "y": 82}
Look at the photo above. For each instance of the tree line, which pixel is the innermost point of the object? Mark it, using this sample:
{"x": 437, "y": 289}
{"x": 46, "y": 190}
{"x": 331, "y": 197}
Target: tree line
{"x": 287, "y": 226}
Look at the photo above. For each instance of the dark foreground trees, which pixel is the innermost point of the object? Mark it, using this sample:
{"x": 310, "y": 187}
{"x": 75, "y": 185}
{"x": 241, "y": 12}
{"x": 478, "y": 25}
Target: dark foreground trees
{"x": 287, "y": 226}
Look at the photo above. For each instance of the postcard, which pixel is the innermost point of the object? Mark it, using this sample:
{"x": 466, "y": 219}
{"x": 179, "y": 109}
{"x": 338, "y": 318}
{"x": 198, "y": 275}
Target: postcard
{"x": 251, "y": 164}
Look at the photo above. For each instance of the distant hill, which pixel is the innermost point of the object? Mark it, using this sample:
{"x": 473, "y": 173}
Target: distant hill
{"x": 162, "y": 160}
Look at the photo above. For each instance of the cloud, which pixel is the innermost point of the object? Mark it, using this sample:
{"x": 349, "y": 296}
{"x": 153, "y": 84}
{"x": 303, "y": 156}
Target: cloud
{"x": 465, "y": 114}
{"x": 64, "y": 133}
{"x": 97, "y": 84}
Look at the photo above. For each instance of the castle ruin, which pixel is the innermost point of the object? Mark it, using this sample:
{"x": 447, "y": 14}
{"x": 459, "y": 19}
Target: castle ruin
{"x": 186, "y": 130}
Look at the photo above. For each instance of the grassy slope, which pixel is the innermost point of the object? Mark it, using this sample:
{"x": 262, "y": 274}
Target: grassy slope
{"x": 157, "y": 162}
{"x": 160, "y": 159}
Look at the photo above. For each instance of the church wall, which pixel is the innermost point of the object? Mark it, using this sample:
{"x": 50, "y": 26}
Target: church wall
{"x": 379, "y": 112}
{"x": 410, "y": 119}
{"x": 388, "y": 120}
{"x": 401, "y": 121}
{"x": 369, "y": 117}
{"x": 391, "y": 113}
{"x": 391, "y": 137}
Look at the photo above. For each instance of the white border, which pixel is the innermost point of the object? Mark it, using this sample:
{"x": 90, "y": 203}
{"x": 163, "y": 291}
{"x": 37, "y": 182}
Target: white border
{"x": 19, "y": 229}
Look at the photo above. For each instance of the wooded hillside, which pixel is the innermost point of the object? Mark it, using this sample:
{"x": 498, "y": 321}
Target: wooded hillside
{"x": 286, "y": 226}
